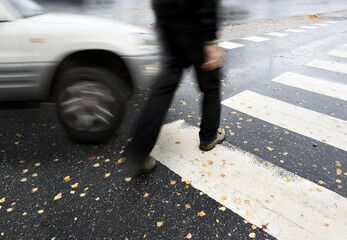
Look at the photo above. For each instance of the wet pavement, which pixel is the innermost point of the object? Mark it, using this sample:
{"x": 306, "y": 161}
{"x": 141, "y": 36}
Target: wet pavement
{"x": 53, "y": 188}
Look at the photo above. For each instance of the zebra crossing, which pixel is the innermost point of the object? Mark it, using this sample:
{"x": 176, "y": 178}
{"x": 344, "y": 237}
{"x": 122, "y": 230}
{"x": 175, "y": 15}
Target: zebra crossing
{"x": 258, "y": 191}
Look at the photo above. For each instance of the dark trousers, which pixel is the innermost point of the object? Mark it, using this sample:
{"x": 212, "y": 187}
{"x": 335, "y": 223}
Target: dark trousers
{"x": 150, "y": 122}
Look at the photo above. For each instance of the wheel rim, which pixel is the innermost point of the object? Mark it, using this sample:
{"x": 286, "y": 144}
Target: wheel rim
{"x": 88, "y": 106}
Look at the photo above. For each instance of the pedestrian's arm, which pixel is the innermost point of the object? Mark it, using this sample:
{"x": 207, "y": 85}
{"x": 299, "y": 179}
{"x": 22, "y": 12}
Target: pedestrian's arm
{"x": 208, "y": 17}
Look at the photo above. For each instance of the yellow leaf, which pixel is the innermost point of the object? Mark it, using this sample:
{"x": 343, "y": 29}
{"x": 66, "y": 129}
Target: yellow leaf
{"x": 222, "y": 208}
{"x": 25, "y": 171}
{"x": 83, "y": 194}
{"x": 9, "y": 209}
{"x": 2, "y": 200}
{"x": 201, "y": 214}
{"x": 121, "y": 160}
{"x": 224, "y": 197}
{"x": 252, "y": 235}
{"x": 160, "y": 224}
{"x": 146, "y": 195}
{"x": 37, "y": 164}
{"x": 34, "y": 175}
{"x": 338, "y": 181}
{"x": 34, "y": 190}
{"x": 187, "y": 206}
{"x": 107, "y": 160}
{"x": 40, "y": 211}
{"x": 24, "y": 180}
{"x": 189, "y": 236}
{"x": 338, "y": 164}
{"x": 322, "y": 182}
{"x": 96, "y": 165}
{"x": 186, "y": 180}
{"x": 269, "y": 148}
{"x": 173, "y": 182}
{"x": 67, "y": 179}
{"x": 127, "y": 179}
{"x": 75, "y": 185}
{"x": 58, "y": 196}
{"x": 286, "y": 180}
{"x": 285, "y": 153}
{"x": 338, "y": 171}
{"x": 107, "y": 175}
{"x": 254, "y": 227}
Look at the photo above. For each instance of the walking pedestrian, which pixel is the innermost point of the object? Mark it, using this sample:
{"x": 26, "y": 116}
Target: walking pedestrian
{"x": 188, "y": 31}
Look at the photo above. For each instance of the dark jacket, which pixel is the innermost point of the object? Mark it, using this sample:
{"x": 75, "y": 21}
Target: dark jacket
{"x": 196, "y": 17}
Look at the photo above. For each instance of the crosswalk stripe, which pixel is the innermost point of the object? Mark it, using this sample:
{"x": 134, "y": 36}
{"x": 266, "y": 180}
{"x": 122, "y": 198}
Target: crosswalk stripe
{"x": 311, "y": 84}
{"x": 318, "y": 126}
{"x": 277, "y": 34}
{"x": 342, "y": 54}
{"x": 295, "y": 30}
{"x": 328, "y": 65}
{"x": 256, "y": 39}
{"x": 290, "y": 206}
{"x": 309, "y": 27}
{"x": 230, "y": 45}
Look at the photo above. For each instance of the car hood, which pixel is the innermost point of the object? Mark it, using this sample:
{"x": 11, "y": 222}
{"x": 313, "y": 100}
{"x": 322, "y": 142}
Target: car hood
{"x": 92, "y": 22}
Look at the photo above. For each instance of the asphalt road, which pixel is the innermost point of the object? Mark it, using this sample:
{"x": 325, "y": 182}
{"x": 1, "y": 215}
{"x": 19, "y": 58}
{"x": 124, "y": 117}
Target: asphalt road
{"x": 281, "y": 171}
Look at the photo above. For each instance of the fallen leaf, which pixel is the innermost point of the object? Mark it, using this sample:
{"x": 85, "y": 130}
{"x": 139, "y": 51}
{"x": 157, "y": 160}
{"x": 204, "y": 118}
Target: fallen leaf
{"x": 58, "y": 196}
{"x": 253, "y": 227}
{"x": 37, "y": 164}
{"x": 24, "y": 213}
{"x": 146, "y": 195}
{"x": 9, "y": 209}
{"x": 107, "y": 160}
{"x": 222, "y": 208}
{"x": 285, "y": 153}
{"x": 83, "y": 194}
{"x": 187, "y": 206}
{"x": 160, "y": 224}
{"x": 269, "y": 148}
{"x": 189, "y": 236}
{"x": 40, "y": 211}
{"x": 177, "y": 142}
{"x": 186, "y": 180}
{"x": 252, "y": 235}
{"x": 210, "y": 162}
{"x": 121, "y": 160}
{"x": 201, "y": 214}
{"x": 127, "y": 179}
{"x": 286, "y": 180}
{"x": 224, "y": 197}
{"x": 75, "y": 185}
{"x": 96, "y": 165}
{"x": 97, "y": 199}
{"x": 247, "y": 201}
{"x": 338, "y": 164}
{"x": 25, "y": 171}
{"x": 24, "y": 180}
{"x": 34, "y": 190}
{"x": 321, "y": 182}
{"x": 222, "y": 175}
{"x": 2, "y": 200}
{"x": 107, "y": 175}
{"x": 67, "y": 179}
{"x": 172, "y": 182}
{"x": 338, "y": 171}
{"x": 34, "y": 175}
{"x": 313, "y": 17}
{"x": 237, "y": 201}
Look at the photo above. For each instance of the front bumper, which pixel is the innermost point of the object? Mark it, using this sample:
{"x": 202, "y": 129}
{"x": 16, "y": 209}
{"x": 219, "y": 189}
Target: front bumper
{"x": 143, "y": 69}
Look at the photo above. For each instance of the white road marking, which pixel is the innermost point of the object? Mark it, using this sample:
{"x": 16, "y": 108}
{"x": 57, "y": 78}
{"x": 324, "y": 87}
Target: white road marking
{"x": 321, "y": 24}
{"x": 230, "y": 45}
{"x": 311, "y": 84}
{"x": 295, "y": 30}
{"x": 290, "y": 206}
{"x": 331, "y": 22}
{"x": 309, "y": 27}
{"x": 277, "y": 34}
{"x": 318, "y": 126}
{"x": 256, "y": 39}
{"x": 329, "y": 65}
{"x": 342, "y": 54}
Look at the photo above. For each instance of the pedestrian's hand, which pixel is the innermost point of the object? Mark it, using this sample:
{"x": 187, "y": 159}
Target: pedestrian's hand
{"x": 214, "y": 57}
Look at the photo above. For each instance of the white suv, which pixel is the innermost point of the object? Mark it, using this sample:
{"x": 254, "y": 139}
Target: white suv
{"x": 89, "y": 66}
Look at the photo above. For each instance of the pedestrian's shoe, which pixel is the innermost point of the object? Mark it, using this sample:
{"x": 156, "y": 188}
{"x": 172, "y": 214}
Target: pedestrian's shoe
{"x": 208, "y": 146}
{"x": 149, "y": 165}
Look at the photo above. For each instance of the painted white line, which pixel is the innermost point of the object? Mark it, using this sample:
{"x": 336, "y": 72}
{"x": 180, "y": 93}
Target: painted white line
{"x": 342, "y": 54}
{"x": 230, "y": 45}
{"x": 329, "y": 65}
{"x": 295, "y": 30}
{"x": 316, "y": 85}
{"x": 318, "y": 126}
{"x": 309, "y": 27}
{"x": 290, "y": 207}
{"x": 331, "y": 22}
{"x": 321, "y": 24}
{"x": 256, "y": 39}
{"x": 277, "y": 34}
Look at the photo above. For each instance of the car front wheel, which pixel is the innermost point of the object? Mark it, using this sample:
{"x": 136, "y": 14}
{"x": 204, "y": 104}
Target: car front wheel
{"x": 90, "y": 103}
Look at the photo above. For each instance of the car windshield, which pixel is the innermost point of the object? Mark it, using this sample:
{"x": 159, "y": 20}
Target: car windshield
{"x": 27, "y": 8}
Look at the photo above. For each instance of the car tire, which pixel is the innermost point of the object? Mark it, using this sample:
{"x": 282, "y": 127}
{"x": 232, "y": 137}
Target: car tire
{"x": 90, "y": 103}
